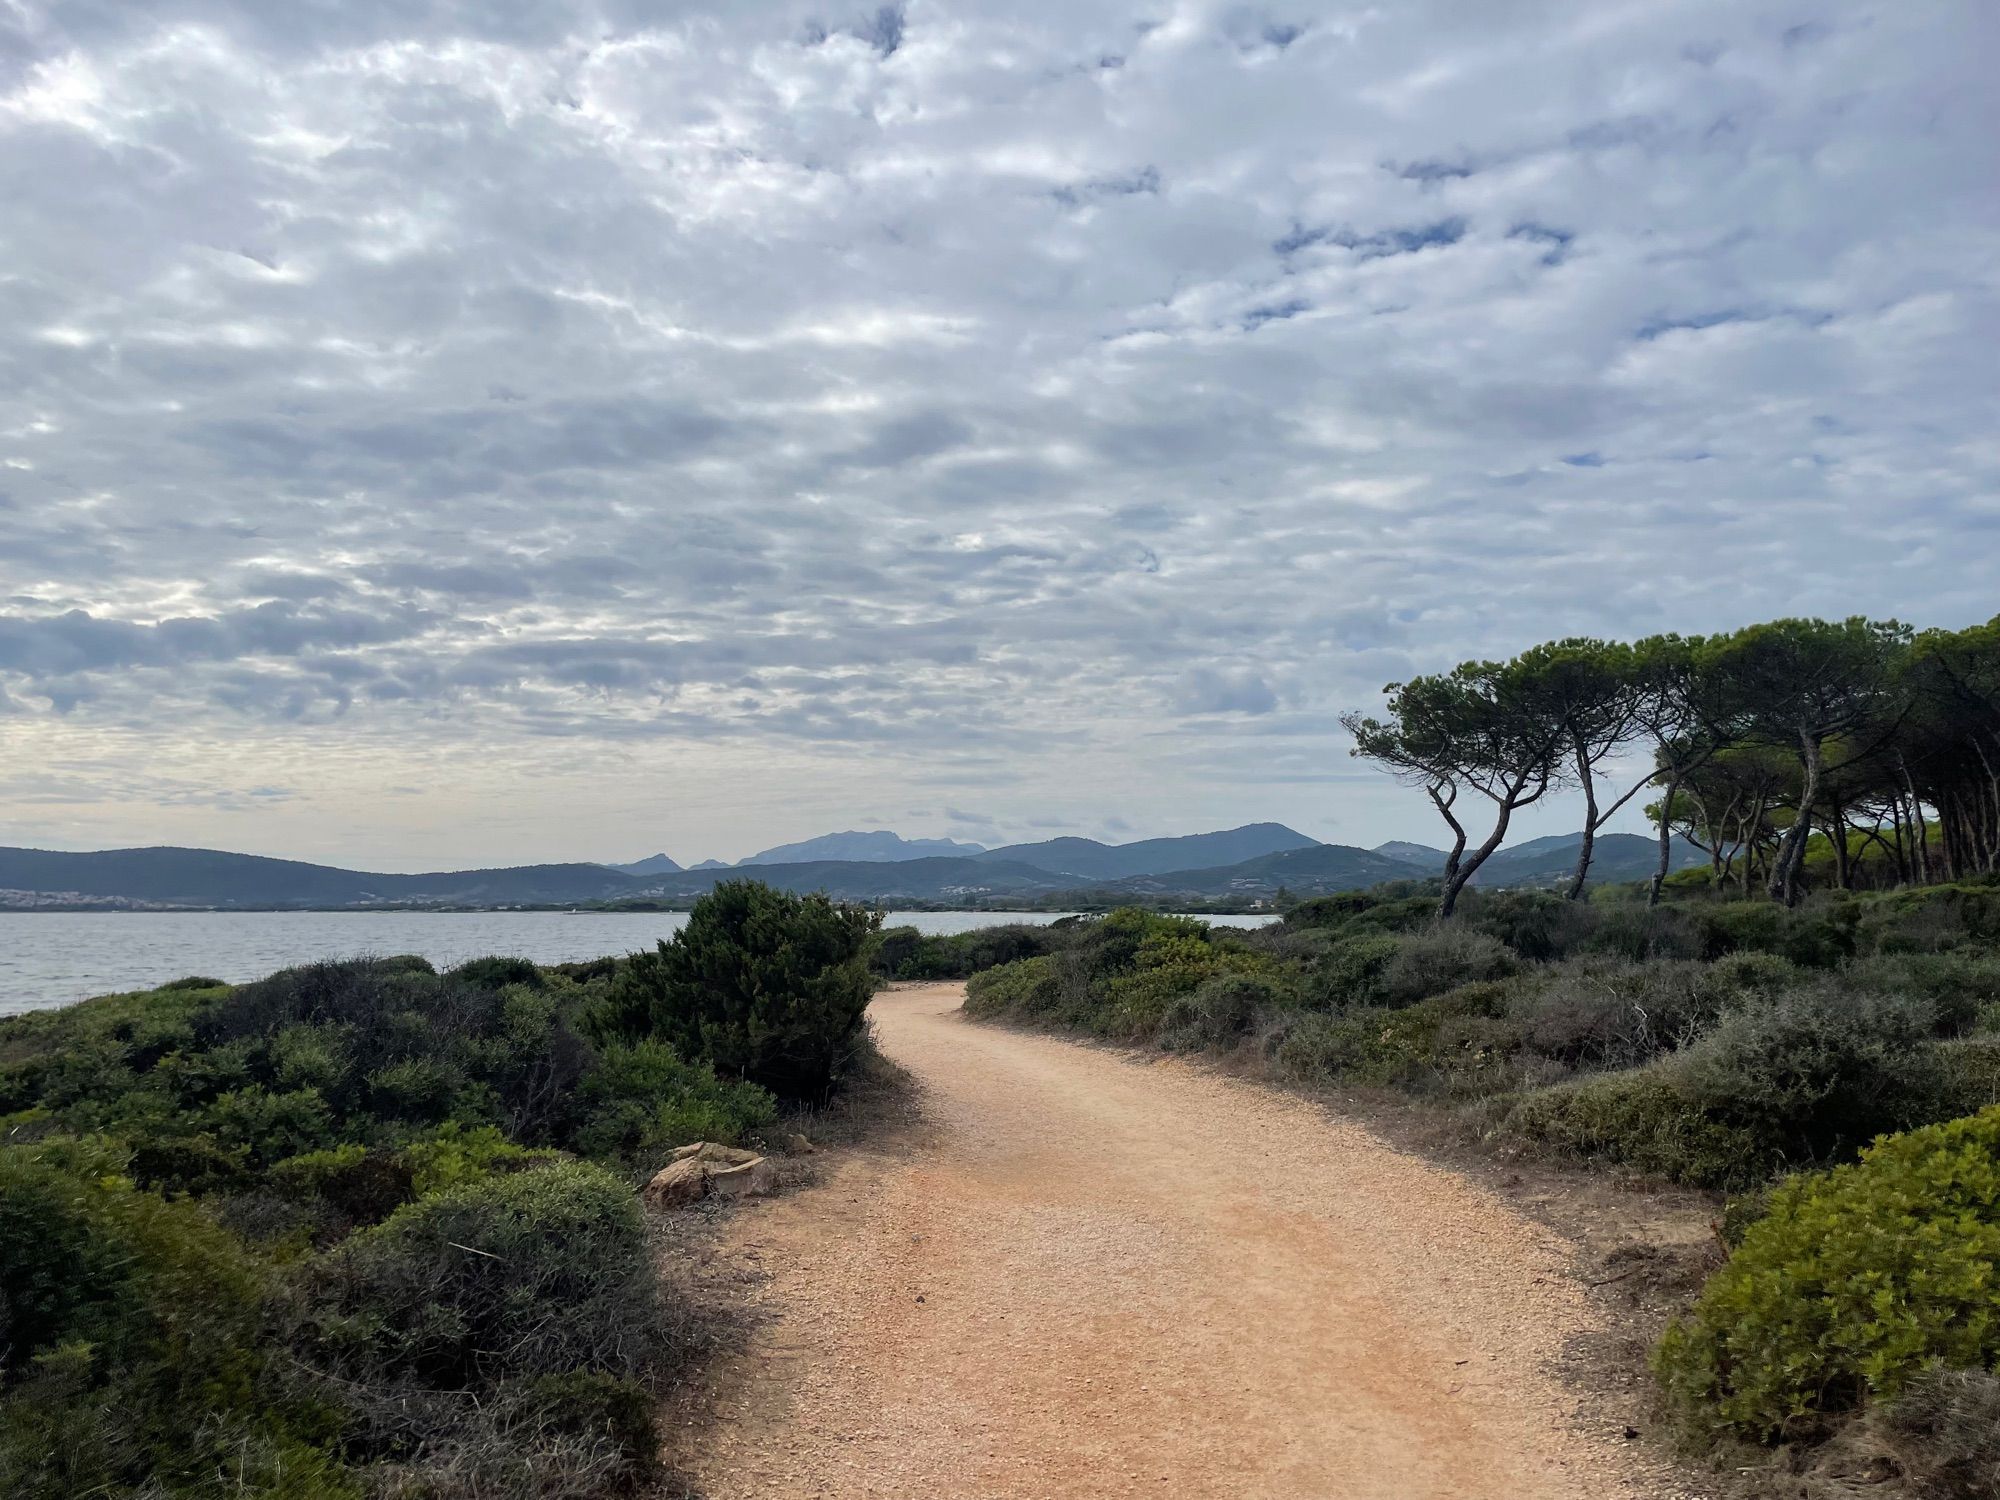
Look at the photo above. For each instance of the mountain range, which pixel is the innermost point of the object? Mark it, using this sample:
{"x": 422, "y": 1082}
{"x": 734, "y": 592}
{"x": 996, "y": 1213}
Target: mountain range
{"x": 1239, "y": 863}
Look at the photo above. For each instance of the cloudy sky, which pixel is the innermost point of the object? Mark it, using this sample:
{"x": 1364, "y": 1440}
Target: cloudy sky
{"x": 471, "y": 432}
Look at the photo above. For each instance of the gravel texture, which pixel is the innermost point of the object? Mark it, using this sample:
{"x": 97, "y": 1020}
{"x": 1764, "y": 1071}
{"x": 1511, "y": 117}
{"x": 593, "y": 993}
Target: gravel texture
{"x": 1096, "y": 1275}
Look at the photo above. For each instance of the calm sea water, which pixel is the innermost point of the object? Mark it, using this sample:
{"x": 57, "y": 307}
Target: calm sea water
{"x": 51, "y": 958}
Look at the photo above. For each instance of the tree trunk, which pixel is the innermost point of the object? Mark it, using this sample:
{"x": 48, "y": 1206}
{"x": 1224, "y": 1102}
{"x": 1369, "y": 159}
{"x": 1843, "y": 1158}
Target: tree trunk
{"x": 1443, "y": 805}
{"x": 1456, "y": 881}
{"x": 1784, "y": 886}
{"x": 1666, "y": 841}
{"x": 1843, "y": 873}
{"x": 1922, "y": 862}
{"x": 1589, "y": 843}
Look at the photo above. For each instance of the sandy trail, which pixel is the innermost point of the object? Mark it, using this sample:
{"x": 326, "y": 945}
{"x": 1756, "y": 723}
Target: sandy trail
{"x": 1098, "y": 1276}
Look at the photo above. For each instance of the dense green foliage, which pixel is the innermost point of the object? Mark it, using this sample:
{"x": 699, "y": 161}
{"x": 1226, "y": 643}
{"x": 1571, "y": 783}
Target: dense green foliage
{"x": 905, "y": 953}
{"x": 1853, "y": 1282}
{"x": 768, "y": 985}
{"x": 1715, "y": 1044}
{"x": 328, "y": 1234}
{"x": 1799, "y": 753}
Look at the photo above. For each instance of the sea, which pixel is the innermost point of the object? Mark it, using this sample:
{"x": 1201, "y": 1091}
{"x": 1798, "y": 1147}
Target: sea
{"x": 54, "y": 958}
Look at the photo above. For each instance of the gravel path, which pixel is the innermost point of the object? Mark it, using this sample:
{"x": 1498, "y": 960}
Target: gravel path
{"x": 1102, "y": 1276}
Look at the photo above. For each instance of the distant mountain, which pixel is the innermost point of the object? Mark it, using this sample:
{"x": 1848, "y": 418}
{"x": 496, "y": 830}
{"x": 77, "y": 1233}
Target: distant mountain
{"x": 1423, "y": 856}
{"x": 211, "y": 878}
{"x": 1616, "y": 857}
{"x": 1313, "y": 870}
{"x": 208, "y": 878}
{"x": 1091, "y": 860}
{"x": 652, "y": 864}
{"x": 879, "y": 847}
{"x": 710, "y": 864}
{"x": 927, "y": 880}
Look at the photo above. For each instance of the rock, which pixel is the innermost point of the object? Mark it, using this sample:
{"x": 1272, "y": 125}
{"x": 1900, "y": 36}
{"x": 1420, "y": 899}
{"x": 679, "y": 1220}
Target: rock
{"x": 753, "y": 1179}
{"x": 714, "y": 1155}
{"x": 704, "y": 1168}
{"x": 679, "y": 1182}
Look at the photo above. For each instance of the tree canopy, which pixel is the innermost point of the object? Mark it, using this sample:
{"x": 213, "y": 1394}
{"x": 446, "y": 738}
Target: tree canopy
{"x": 1883, "y": 740}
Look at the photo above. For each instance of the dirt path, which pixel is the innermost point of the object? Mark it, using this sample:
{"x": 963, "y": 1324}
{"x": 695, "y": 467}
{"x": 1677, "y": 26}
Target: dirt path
{"x": 1099, "y": 1276}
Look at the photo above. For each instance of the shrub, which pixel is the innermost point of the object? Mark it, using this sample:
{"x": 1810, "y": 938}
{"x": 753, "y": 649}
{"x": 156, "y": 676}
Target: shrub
{"x": 1429, "y": 963}
{"x": 1971, "y": 1074}
{"x": 357, "y": 1185}
{"x": 1852, "y": 1283}
{"x": 1811, "y": 937}
{"x": 642, "y": 1097}
{"x": 1639, "y": 933}
{"x": 1022, "y": 990}
{"x": 1642, "y": 1119}
{"x": 1538, "y": 925}
{"x": 1167, "y": 967}
{"x": 1386, "y": 909}
{"x": 1947, "y": 1426}
{"x": 509, "y": 1276}
{"x": 1963, "y": 987}
{"x": 1351, "y": 972}
{"x": 1222, "y": 1010}
{"x": 129, "y": 1334}
{"x": 1932, "y": 919}
{"x": 905, "y": 953}
{"x": 1447, "y": 1041}
{"x": 496, "y": 973}
{"x": 453, "y": 1155}
{"x": 1818, "y": 1073}
{"x": 766, "y": 985}
{"x": 1810, "y": 1077}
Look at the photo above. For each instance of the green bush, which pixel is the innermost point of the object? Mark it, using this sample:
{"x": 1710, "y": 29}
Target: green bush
{"x": 1443, "y": 958}
{"x": 905, "y": 953}
{"x": 129, "y": 1337}
{"x": 1817, "y": 1074}
{"x": 1350, "y": 973}
{"x": 453, "y": 1155}
{"x": 1933, "y": 919}
{"x": 1811, "y": 937}
{"x": 1963, "y": 987}
{"x": 1643, "y": 1119}
{"x": 1222, "y": 1010}
{"x": 355, "y": 1185}
{"x": 642, "y": 1097}
{"x": 1810, "y": 1077}
{"x": 1166, "y": 968}
{"x": 766, "y": 985}
{"x": 1022, "y": 990}
{"x": 505, "y": 1277}
{"x": 1852, "y": 1283}
{"x": 496, "y": 973}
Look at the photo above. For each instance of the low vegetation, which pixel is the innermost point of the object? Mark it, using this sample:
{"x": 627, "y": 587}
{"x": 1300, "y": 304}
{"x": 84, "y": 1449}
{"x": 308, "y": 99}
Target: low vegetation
{"x": 1835, "y": 1066}
{"x": 362, "y": 1229}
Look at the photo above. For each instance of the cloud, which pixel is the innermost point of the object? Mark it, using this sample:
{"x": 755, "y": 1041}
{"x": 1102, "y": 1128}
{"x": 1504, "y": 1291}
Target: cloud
{"x": 709, "y": 419}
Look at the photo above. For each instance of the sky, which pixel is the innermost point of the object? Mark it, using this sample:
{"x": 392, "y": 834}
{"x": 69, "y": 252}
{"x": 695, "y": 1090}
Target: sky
{"x": 454, "y": 433}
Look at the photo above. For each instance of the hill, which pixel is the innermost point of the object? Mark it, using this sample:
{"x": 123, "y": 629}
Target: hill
{"x": 1552, "y": 860}
{"x": 1311, "y": 871}
{"x": 211, "y": 878}
{"x": 652, "y": 864}
{"x": 1094, "y": 861}
{"x": 923, "y": 880}
{"x": 1422, "y": 856}
{"x": 878, "y": 847}
{"x": 1198, "y": 867}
